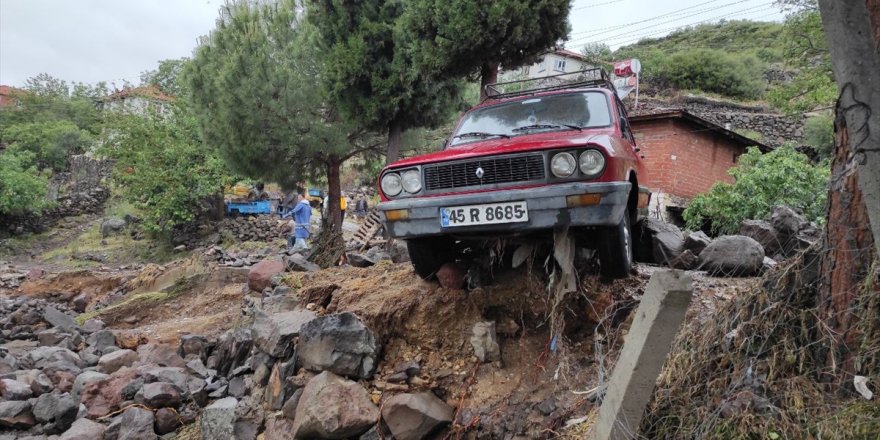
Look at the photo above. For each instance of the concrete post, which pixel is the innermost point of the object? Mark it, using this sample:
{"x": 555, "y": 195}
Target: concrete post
{"x": 649, "y": 340}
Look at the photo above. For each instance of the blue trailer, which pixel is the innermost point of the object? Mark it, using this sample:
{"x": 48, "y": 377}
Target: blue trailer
{"x": 248, "y": 208}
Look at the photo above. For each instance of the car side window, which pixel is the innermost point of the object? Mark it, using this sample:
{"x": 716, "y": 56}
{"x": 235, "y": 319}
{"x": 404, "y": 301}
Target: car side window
{"x": 624, "y": 123}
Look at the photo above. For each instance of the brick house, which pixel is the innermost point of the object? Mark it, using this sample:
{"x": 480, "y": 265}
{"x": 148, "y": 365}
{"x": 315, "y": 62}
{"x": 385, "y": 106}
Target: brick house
{"x": 8, "y": 95}
{"x": 684, "y": 156}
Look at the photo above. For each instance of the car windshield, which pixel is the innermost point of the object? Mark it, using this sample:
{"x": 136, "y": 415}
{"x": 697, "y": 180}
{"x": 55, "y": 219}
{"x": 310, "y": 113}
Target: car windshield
{"x": 567, "y": 111}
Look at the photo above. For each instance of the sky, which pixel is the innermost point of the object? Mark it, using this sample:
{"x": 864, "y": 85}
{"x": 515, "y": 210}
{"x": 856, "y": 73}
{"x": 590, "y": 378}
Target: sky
{"x": 114, "y": 41}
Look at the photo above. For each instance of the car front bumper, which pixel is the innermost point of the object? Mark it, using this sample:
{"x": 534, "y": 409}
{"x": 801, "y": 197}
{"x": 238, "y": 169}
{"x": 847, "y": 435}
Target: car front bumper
{"x": 548, "y": 207}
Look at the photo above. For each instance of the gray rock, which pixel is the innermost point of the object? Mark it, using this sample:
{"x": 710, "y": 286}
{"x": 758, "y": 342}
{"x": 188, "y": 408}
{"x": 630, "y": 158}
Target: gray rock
{"x": 218, "y": 419}
{"x": 399, "y": 252}
{"x": 111, "y": 226}
{"x": 333, "y": 408}
{"x": 93, "y": 325}
{"x": 137, "y": 424}
{"x": 112, "y": 431}
{"x": 415, "y": 416}
{"x": 60, "y": 320}
{"x": 16, "y": 415}
{"x": 85, "y": 378}
{"x": 232, "y": 351}
{"x": 54, "y": 337}
{"x": 8, "y": 362}
{"x": 249, "y": 418}
{"x": 161, "y": 395}
{"x": 176, "y": 376}
{"x": 289, "y": 407}
{"x": 485, "y": 342}
{"x": 733, "y": 255}
{"x": 167, "y": 420}
{"x": 11, "y": 389}
{"x": 83, "y": 429}
{"x": 36, "y": 380}
{"x": 41, "y": 356}
{"x": 101, "y": 340}
{"x": 274, "y": 333}
{"x": 198, "y": 368}
{"x": 111, "y": 362}
{"x": 193, "y": 346}
{"x": 763, "y": 233}
{"x": 684, "y": 261}
{"x": 338, "y": 343}
{"x": 239, "y": 386}
{"x": 696, "y": 242}
{"x": 58, "y": 409}
{"x": 296, "y": 263}
{"x": 160, "y": 354}
{"x": 667, "y": 242}
{"x": 278, "y": 428}
{"x": 278, "y": 388}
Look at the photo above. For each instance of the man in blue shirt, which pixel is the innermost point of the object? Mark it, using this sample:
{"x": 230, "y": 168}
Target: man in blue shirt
{"x": 302, "y": 216}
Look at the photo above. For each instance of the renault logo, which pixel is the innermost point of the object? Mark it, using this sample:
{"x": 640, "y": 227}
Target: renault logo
{"x": 480, "y": 172}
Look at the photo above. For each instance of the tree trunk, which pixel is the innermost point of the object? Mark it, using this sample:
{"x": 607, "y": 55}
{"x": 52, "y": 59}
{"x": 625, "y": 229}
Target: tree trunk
{"x": 394, "y": 133}
{"x": 488, "y": 75}
{"x": 850, "y": 245}
{"x": 334, "y": 193}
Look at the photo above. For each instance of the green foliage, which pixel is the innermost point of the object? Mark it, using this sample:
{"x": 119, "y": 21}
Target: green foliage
{"x": 819, "y": 134}
{"x": 162, "y": 166}
{"x": 715, "y": 71}
{"x": 758, "y": 38}
{"x": 22, "y": 187}
{"x": 168, "y": 77}
{"x": 780, "y": 177}
{"x": 371, "y": 69}
{"x": 256, "y": 96}
{"x": 456, "y": 38}
{"x": 50, "y": 141}
{"x": 598, "y": 54}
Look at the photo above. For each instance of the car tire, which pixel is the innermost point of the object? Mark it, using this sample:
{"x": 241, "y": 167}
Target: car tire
{"x": 428, "y": 255}
{"x": 616, "y": 249}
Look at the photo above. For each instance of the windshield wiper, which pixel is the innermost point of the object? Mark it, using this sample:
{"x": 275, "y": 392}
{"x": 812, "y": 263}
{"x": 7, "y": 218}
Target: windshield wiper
{"x": 541, "y": 126}
{"x": 481, "y": 134}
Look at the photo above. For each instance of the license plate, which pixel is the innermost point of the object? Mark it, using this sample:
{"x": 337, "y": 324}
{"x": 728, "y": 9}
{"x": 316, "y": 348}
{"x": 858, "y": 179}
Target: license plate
{"x": 488, "y": 214}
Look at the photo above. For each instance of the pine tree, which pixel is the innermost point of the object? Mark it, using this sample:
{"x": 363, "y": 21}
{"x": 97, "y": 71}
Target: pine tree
{"x": 370, "y": 71}
{"x": 459, "y": 38}
{"x": 254, "y": 90}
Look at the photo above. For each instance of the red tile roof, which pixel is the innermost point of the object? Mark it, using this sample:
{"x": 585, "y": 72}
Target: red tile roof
{"x": 149, "y": 92}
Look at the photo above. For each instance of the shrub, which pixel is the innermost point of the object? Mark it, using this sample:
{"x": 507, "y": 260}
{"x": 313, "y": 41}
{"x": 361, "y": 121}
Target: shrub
{"x": 780, "y": 177}
{"x": 22, "y": 188}
{"x": 715, "y": 71}
{"x": 819, "y": 134}
{"x": 50, "y": 142}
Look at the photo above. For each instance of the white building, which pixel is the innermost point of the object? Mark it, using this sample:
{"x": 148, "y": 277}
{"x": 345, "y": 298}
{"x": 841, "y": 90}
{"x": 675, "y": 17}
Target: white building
{"x": 138, "y": 100}
{"x": 555, "y": 62}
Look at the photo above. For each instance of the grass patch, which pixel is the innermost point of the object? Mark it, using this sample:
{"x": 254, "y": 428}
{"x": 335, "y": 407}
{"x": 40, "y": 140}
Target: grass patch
{"x": 139, "y": 300}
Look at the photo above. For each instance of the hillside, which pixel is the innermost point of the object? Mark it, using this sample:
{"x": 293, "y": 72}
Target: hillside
{"x": 762, "y": 39}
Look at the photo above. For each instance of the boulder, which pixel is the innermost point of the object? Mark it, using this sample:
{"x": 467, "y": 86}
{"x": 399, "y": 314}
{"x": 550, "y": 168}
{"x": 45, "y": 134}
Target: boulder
{"x": 667, "y": 240}
{"x": 249, "y": 418}
{"x": 218, "y": 419}
{"x": 105, "y": 396}
{"x": 298, "y": 263}
{"x": 40, "y": 357}
{"x": 193, "y": 346}
{"x": 112, "y": 430}
{"x": 333, "y": 408}
{"x": 11, "y": 389}
{"x": 58, "y": 409}
{"x": 85, "y": 378}
{"x": 415, "y": 416}
{"x": 786, "y": 221}
{"x": 8, "y": 362}
{"x": 278, "y": 389}
{"x": 279, "y": 428}
{"x": 16, "y": 415}
{"x": 60, "y": 320}
{"x": 160, "y": 354}
{"x": 684, "y": 261}
{"x": 101, "y": 340}
{"x": 137, "y": 424}
{"x": 485, "y": 342}
{"x": 93, "y": 325}
{"x": 232, "y": 351}
{"x": 696, "y": 242}
{"x": 54, "y": 337}
{"x": 111, "y": 226}
{"x": 762, "y": 232}
{"x": 83, "y": 429}
{"x": 274, "y": 333}
{"x": 80, "y": 303}
{"x": 36, "y": 380}
{"x": 260, "y": 275}
{"x": 733, "y": 255}
{"x": 399, "y": 252}
{"x": 338, "y": 343}
{"x": 115, "y": 360}
{"x": 167, "y": 420}
{"x": 239, "y": 386}
{"x": 289, "y": 407}
{"x": 173, "y": 375}
{"x": 161, "y": 395}
{"x": 451, "y": 276}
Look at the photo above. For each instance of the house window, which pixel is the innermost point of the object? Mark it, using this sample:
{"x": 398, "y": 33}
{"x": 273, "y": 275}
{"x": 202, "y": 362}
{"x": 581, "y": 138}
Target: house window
{"x": 541, "y": 66}
{"x": 559, "y": 66}
{"x": 525, "y": 70}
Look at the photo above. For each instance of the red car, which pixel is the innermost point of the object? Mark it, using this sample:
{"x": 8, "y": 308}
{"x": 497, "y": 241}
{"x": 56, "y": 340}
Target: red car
{"x": 522, "y": 164}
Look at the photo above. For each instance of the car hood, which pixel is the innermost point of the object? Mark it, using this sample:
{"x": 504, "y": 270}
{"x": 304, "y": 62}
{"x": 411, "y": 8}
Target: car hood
{"x": 518, "y": 144}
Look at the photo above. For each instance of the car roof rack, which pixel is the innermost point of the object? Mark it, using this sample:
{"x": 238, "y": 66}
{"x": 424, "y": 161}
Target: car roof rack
{"x": 596, "y": 77}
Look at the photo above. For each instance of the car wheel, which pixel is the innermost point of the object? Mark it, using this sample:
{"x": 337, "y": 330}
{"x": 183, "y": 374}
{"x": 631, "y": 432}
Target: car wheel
{"x": 428, "y": 255}
{"x": 616, "y": 249}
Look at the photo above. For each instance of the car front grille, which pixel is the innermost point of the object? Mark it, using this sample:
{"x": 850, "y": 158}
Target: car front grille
{"x": 497, "y": 171}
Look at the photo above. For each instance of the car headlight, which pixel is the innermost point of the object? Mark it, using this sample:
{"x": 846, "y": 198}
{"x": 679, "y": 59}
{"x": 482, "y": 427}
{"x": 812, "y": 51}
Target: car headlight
{"x": 563, "y": 165}
{"x": 412, "y": 181}
{"x": 591, "y": 163}
{"x": 391, "y": 184}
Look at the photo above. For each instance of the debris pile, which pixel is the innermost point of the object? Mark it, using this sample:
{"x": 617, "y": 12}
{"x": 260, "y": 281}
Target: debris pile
{"x": 253, "y": 228}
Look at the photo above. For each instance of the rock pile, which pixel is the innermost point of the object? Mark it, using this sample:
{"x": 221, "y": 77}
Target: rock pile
{"x": 255, "y": 228}
{"x": 237, "y": 258}
{"x": 758, "y": 246}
